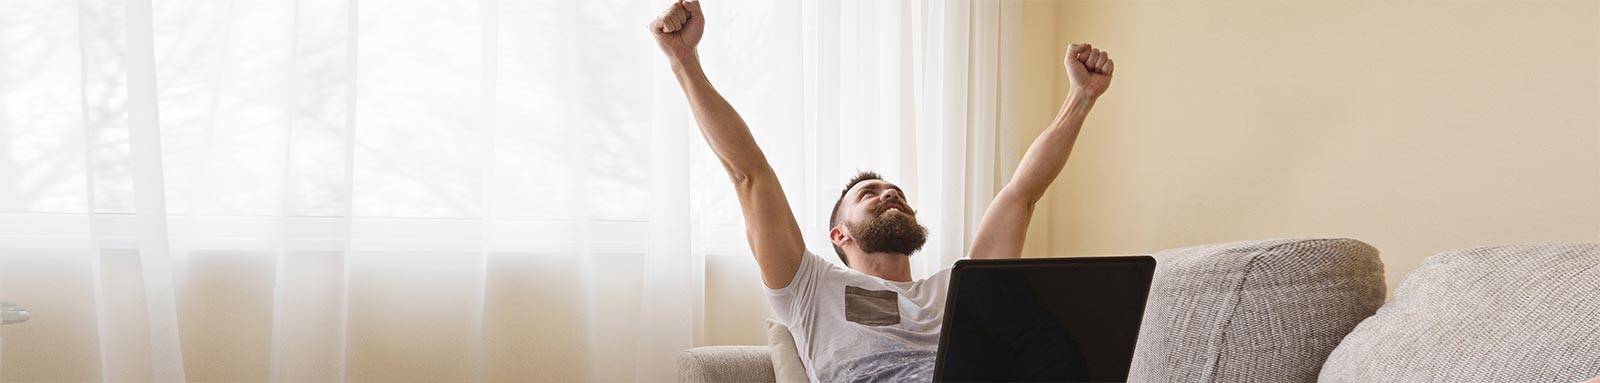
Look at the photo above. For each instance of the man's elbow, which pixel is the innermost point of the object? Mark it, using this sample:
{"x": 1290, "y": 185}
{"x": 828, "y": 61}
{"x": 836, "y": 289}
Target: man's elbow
{"x": 748, "y": 178}
{"x": 1025, "y": 200}
{"x": 739, "y": 178}
{"x": 737, "y": 174}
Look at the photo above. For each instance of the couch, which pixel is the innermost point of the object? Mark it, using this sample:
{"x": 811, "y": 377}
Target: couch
{"x": 1309, "y": 310}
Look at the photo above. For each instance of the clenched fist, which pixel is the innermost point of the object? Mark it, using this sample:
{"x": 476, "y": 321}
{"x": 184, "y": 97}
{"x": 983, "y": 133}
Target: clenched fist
{"x": 678, "y": 30}
{"x": 1088, "y": 70}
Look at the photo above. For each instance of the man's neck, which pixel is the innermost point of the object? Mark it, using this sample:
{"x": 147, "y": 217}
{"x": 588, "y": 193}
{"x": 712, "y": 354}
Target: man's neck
{"x": 891, "y": 266}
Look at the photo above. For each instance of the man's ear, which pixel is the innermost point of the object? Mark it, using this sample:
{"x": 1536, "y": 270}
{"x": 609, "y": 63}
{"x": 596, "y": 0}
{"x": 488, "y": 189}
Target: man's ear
{"x": 839, "y": 236}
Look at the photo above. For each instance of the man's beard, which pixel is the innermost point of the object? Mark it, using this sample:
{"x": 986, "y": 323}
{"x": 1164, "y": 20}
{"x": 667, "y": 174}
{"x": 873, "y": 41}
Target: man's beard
{"x": 890, "y": 232}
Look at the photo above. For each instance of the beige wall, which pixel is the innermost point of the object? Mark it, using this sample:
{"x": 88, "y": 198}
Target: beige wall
{"x": 1416, "y": 126}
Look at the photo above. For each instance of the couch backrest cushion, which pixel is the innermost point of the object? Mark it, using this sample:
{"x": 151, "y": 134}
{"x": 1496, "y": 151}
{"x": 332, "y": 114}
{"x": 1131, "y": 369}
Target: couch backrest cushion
{"x": 786, "y": 364}
{"x": 1255, "y": 311}
{"x": 1515, "y": 313}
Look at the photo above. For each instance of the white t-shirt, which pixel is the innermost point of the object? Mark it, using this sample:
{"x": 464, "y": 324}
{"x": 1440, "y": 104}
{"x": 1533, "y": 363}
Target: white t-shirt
{"x": 853, "y": 327}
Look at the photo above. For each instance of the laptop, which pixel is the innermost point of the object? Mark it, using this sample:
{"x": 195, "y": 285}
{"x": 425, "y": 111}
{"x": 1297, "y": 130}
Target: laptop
{"x": 1043, "y": 319}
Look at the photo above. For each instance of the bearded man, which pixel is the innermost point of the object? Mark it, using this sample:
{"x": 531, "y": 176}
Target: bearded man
{"x": 868, "y": 321}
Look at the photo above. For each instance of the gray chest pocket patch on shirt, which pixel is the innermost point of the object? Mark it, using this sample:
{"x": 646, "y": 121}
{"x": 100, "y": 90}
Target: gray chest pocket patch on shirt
{"x": 871, "y": 307}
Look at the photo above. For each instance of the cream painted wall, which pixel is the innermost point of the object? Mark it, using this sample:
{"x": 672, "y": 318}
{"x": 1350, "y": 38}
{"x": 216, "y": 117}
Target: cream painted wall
{"x": 1416, "y": 126}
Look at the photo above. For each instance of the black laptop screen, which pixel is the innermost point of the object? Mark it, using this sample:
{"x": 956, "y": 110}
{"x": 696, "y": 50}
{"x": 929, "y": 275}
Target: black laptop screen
{"x": 1073, "y": 320}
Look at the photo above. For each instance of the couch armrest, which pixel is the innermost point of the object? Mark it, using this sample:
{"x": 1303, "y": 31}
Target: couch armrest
{"x": 725, "y": 364}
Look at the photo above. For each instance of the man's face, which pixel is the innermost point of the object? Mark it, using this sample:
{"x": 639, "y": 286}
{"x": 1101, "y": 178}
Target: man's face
{"x": 880, "y": 219}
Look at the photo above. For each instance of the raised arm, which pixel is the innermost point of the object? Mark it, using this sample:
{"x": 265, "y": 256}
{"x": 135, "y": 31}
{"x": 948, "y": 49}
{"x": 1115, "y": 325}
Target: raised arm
{"x": 1005, "y": 224}
{"x": 769, "y": 223}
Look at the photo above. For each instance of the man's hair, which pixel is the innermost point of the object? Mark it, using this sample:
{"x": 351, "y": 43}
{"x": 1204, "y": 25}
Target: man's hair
{"x": 833, "y": 218}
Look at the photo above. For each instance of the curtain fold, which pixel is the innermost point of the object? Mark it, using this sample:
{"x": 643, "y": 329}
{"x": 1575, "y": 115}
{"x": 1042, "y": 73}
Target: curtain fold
{"x": 150, "y": 206}
{"x": 250, "y": 190}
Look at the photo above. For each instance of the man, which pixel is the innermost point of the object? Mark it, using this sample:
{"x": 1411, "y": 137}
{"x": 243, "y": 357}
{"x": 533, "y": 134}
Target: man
{"x": 870, "y": 322}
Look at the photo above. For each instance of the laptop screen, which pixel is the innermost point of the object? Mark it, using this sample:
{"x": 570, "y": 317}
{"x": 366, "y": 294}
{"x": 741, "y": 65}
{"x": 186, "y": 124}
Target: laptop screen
{"x": 1058, "y": 319}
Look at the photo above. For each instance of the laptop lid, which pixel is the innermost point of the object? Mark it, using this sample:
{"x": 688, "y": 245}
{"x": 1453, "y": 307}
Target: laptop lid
{"x": 1043, "y": 319}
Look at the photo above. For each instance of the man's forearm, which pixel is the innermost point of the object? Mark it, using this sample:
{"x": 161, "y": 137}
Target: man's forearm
{"x": 721, "y": 125}
{"x": 1048, "y": 154}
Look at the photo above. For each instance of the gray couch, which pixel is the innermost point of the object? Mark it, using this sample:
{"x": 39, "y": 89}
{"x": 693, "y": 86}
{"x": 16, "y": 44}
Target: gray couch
{"x": 1306, "y": 310}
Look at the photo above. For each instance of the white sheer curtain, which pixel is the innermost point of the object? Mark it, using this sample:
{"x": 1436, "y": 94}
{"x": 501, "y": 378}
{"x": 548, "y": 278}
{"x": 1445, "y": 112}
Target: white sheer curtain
{"x": 251, "y": 190}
